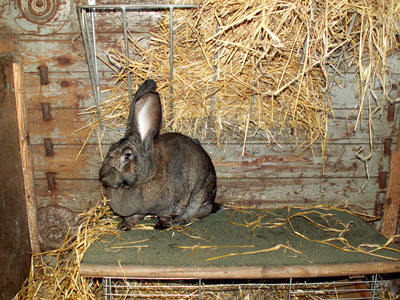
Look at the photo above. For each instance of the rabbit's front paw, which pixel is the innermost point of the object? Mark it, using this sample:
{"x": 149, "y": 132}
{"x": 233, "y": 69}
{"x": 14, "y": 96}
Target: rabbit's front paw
{"x": 128, "y": 223}
{"x": 124, "y": 226}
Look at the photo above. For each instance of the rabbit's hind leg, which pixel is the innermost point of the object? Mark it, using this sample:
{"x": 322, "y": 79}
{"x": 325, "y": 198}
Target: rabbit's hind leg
{"x": 196, "y": 210}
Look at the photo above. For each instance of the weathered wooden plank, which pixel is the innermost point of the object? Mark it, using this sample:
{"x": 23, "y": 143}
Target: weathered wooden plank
{"x": 65, "y": 122}
{"x": 9, "y": 25}
{"x": 69, "y": 55}
{"x": 273, "y": 193}
{"x": 76, "y": 195}
{"x": 60, "y": 55}
{"x": 260, "y": 161}
{"x": 57, "y": 55}
{"x": 264, "y": 161}
{"x": 137, "y": 21}
{"x": 269, "y": 272}
{"x": 60, "y": 128}
{"x": 63, "y": 164}
{"x": 62, "y": 84}
{"x": 392, "y": 203}
{"x": 344, "y": 92}
{"x": 65, "y": 90}
{"x": 7, "y": 46}
{"x": 26, "y": 157}
{"x": 79, "y": 195}
{"x": 15, "y": 248}
{"x": 108, "y": 22}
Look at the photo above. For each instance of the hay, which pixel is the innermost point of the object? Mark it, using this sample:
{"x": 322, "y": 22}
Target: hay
{"x": 56, "y": 275}
{"x": 243, "y": 67}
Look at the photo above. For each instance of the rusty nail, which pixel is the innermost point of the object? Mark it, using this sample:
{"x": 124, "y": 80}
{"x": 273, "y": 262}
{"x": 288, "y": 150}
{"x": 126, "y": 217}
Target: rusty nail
{"x": 51, "y": 181}
{"x": 391, "y": 111}
{"x": 382, "y": 179}
{"x": 43, "y": 74}
{"x": 378, "y": 209}
{"x": 46, "y": 111}
{"x": 387, "y": 146}
{"x": 48, "y": 147}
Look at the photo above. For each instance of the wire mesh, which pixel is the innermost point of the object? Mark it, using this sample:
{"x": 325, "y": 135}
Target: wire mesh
{"x": 342, "y": 289}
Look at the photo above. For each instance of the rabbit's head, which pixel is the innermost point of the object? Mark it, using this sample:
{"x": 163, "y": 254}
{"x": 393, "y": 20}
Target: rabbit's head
{"x": 130, "y": 161}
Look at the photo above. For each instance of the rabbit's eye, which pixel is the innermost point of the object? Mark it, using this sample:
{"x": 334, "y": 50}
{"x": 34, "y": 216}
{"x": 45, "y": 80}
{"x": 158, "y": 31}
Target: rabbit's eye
{"x": 126, "y": 156}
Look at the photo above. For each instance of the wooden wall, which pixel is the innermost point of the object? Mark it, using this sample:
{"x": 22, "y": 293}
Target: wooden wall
{"x": 267, "y": 176}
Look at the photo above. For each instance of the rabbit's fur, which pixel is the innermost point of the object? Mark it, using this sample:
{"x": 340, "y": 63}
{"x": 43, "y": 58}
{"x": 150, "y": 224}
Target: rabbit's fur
{"x": 169, "y": 175}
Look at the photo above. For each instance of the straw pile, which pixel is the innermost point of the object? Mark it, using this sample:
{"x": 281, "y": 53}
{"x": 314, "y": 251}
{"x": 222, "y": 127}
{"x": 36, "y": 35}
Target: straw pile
{"x": 56, "y": 275}
{"x": 242, "y": 67}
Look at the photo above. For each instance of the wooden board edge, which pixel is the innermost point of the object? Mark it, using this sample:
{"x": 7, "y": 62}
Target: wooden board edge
{"x": 261, "y": 272}
{"x": 392, "y": 204}
{"x": 18, "y": 71}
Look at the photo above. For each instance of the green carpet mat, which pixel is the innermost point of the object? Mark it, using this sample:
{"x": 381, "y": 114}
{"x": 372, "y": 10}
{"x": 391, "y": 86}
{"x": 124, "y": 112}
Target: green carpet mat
{"x": 249, "y": 238}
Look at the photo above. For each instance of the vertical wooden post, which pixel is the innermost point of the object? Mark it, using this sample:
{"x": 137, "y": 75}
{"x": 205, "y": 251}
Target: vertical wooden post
{"x": 392, "y": 205}
{"x": 18, "y": 73}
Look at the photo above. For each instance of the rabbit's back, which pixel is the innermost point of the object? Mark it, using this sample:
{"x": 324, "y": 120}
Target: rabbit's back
{"x": 180, "y": 153}
{"x": 184, "y": 175}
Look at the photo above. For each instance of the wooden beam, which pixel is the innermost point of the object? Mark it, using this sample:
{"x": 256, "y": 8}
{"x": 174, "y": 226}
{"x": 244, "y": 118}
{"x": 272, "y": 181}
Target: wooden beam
{"x": 18, "y": 73}
{"x": 392, "y": 204}
{"x": 261, "y": 272}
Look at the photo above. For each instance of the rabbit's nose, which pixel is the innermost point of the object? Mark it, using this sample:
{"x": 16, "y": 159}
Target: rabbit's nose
{"x": 102, "y": 173}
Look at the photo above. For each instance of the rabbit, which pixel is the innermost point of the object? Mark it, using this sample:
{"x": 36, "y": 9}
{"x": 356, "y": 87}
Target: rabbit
{"x": 169, "y": 176}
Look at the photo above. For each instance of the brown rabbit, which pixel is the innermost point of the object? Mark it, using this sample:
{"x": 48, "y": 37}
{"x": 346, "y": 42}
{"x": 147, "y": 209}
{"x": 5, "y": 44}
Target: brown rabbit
{"x": 169, "y": 175}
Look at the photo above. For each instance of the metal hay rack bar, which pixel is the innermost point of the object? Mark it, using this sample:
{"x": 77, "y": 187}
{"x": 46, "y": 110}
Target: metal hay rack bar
{"x": 87, "y": 16}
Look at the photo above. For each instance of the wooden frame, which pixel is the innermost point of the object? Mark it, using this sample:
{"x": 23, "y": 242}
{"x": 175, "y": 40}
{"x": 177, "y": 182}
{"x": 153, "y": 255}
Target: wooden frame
{"x": 261, "y": 272}
{"x": 392, "y": 204}
{"x": 18, "y": 74}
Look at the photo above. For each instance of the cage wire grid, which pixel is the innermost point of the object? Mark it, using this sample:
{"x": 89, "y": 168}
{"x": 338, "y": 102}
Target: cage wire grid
{"x": 168, "y": 288}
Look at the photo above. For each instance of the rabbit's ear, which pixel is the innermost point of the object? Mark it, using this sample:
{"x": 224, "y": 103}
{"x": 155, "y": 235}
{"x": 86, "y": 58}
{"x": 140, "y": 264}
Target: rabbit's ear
{"x": 148, "y": 85}
{"x": 147, "y": 115}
